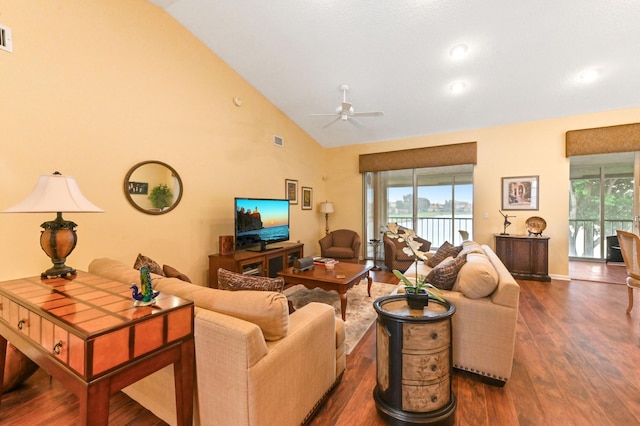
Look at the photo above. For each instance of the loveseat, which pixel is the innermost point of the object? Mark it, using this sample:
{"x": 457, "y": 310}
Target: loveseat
{"x": 486, "y": 298}
{"x": 256, "y": 364}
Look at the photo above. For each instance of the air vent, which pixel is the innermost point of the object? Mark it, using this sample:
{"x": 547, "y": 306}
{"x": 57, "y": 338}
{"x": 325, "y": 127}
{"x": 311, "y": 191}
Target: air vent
{"x": 5, "y": 39}
{"x": 277, "y": 141}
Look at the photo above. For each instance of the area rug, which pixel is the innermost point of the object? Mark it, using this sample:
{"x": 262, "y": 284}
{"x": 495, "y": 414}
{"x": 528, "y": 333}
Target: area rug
{"x": 360, "y": 312}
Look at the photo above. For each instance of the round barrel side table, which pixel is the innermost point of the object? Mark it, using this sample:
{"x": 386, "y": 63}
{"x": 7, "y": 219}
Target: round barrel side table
{"x": 414, "y": 362}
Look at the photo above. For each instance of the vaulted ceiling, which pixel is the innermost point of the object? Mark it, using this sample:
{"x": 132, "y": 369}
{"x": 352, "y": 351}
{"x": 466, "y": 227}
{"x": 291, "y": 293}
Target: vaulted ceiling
{"x": 524, "y": 61}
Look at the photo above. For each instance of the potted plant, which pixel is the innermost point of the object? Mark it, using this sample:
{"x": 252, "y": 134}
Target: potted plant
{"x": 161, "y": 196}
{"x": 418, "y": 289}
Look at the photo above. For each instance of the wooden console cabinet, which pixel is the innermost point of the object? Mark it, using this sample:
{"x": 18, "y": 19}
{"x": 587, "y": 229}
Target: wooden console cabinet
{"x": 263, "y": 263}
{"x": 525, "y": 257}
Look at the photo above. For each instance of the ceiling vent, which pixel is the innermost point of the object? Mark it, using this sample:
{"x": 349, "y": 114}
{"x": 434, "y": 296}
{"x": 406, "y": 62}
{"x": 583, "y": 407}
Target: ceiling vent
{"x": 278, "y": 141}
{"x": 5, "y": 39}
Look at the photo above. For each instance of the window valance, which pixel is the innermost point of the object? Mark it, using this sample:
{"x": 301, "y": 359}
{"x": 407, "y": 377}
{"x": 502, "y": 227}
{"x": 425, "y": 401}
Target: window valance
{"x": 603, "y": 140}
{"x": 416, "y": 158}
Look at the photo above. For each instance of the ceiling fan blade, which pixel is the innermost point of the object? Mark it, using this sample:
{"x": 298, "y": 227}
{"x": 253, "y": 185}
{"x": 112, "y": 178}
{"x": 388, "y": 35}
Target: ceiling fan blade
{"x": 368, "y": 114}
{"x": 331, "y": 122}
{"x": 323, "y": 115}
{"x": 355, "y": 122}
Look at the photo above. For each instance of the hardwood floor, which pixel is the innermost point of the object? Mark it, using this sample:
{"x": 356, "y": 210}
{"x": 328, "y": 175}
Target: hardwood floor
{"x": 577, "y": 362}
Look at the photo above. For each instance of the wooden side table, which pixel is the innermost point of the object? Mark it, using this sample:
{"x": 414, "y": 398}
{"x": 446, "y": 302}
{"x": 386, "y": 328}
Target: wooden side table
{"x": 414, "y": 362}
{"x": 84, "y": 331}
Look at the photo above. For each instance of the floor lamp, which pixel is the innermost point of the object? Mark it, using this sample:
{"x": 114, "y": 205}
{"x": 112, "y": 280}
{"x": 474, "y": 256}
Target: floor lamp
{"x": 326, "y": 208}
{"x": 56, "y": 194}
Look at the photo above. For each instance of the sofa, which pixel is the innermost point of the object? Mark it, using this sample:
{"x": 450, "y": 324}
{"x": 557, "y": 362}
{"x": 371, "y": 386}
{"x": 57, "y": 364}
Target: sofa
{"x": 486, "y": 298}
{"x": 256, "y": 364}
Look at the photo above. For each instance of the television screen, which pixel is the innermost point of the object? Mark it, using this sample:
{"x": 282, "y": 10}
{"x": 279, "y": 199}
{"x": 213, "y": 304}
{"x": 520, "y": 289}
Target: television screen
{"x": 261, "y": 221}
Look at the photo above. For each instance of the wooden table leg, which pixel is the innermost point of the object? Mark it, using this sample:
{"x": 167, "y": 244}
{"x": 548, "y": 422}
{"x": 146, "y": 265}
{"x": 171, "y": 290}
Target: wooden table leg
{"x": 3, "y": 358}
{"x": 369, "y": 280}
{"x": 183, "y": 372}
{"x": 94, "y": 404}
{"x": 343, "y": 305}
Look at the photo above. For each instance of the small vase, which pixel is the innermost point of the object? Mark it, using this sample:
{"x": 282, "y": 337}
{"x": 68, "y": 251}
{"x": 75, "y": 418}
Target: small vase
{"x": 417, "y": 301}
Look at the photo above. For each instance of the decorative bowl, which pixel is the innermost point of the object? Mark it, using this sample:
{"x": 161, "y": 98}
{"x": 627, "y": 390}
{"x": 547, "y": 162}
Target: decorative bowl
{"x": 535, "y": 225}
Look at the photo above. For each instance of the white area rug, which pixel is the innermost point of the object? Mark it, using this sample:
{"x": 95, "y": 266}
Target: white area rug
{"x": 360, "y": 312}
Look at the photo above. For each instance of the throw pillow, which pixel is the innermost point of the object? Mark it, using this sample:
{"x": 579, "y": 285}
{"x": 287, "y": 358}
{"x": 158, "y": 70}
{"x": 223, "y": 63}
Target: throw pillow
{"x": 228, "y": 280}
{"x": 171, "y": 272}
{"x": 445, "y": 250}
{"x": 477, "y": 277}
{"x": 445, "y": 273}
{"x": 153, "y": 266}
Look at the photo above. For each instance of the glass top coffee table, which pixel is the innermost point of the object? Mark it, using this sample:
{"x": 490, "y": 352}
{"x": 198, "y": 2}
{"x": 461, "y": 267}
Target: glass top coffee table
{"x": 342, "y": 278}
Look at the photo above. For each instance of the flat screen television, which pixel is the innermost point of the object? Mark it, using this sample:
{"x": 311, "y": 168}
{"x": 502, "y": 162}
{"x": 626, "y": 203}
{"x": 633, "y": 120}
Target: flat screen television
{"x": 260, "y": 221}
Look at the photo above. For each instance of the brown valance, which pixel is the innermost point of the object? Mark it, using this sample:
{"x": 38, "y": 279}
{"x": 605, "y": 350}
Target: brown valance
{"x": 603, "y": 140}
{"x": 416, "y": 158}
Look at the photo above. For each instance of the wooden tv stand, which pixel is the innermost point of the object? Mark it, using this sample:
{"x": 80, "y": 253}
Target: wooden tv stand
{"x": 262, "y": 263}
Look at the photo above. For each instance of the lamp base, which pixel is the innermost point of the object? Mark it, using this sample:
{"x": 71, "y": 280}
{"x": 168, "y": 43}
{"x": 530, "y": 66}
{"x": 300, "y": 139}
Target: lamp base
{"x": 58, "y": 239}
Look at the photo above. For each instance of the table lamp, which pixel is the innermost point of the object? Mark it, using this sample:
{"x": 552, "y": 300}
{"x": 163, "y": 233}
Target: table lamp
{"x": 326, "y": 208}
{"x": 56, "y": 194}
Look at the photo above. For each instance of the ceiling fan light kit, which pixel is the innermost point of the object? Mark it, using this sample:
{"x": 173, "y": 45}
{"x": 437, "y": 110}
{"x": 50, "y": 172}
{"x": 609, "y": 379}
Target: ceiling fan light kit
{"x": 346, "y": 112}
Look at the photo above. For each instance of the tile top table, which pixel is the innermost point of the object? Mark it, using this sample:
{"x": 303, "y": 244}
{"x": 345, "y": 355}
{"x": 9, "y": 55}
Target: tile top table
{"x": 84, "y": 331}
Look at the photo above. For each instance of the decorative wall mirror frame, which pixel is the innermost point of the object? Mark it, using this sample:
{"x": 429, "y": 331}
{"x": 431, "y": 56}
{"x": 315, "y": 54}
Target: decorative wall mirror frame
{"x": 156, "y": 179}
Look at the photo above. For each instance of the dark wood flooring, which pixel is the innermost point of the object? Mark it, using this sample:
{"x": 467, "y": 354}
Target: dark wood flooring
{"x": 577, "y": 362}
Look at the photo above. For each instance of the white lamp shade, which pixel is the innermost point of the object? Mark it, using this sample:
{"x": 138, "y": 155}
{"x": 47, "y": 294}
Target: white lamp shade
{"x": 326, "y": 207}
{"x": 55, "y": 193}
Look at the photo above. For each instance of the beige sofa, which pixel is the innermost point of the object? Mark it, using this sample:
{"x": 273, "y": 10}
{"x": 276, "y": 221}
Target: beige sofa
{"x": 255, "y": 363}
{"x": 484, "y": 326}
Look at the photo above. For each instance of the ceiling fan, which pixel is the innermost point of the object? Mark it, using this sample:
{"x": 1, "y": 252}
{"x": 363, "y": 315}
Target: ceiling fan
{"x": 345, "y": 111}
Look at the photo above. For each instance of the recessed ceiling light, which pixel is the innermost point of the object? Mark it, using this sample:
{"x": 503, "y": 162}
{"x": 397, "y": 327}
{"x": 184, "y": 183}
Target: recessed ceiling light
{"x": 458, "y": 86}
{"x": 588, "y": 76}
{"x": 458, "y": 51}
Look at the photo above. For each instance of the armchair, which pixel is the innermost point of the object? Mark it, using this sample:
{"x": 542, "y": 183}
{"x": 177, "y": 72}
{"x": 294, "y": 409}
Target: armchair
{"x": 395, "y": 258}
{"x": 630, "y": 247}
{"x": 341, "y": 244}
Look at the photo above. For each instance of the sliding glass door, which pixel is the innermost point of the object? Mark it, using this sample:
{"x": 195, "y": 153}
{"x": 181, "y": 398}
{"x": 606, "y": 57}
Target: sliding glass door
{"x": 602, "y": 198}
{"x": 435, "y": 202}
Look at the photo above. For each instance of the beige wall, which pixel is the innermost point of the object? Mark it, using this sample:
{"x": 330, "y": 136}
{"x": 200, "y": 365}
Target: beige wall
{"x": 534, "y": 148}
{"x": 95, "y": 86}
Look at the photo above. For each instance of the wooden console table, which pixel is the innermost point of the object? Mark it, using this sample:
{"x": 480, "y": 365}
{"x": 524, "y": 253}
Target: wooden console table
{"x": 263, "y": 263}
{"x": 84, "y": 331}
{"x": 525, "y": 257}
{"x": 414, "y": 362}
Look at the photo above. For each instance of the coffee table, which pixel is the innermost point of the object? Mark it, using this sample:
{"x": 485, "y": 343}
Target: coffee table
{"x": 342, "y": 278}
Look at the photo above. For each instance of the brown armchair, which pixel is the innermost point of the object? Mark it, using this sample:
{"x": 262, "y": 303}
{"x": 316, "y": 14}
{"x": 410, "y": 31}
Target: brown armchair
{"x": 341, "y": 244}
{"x": 395, "y": 258}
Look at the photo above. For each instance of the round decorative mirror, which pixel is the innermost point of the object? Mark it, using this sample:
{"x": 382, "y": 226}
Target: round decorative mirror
{"x": 153, "y": 187}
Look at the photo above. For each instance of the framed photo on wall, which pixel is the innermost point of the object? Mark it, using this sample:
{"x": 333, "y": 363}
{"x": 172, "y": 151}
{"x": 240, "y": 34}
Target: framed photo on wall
{"x": 307, "y": 198}
{"x": 520, "y": 193}
{"x": 291, "y": 191}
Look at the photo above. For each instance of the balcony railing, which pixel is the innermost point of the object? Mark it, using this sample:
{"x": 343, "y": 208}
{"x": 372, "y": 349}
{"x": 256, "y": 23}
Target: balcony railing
{"x": 437, "y": 229}
{"x": 585, "y": 236}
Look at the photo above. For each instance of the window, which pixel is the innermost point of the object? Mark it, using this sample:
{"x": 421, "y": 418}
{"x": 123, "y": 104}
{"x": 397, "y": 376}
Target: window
{"x": 435, "y": 202}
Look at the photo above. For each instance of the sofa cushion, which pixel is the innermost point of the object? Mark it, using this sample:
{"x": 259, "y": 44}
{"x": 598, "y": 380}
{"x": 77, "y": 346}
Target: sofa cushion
{"x": 228, "y": 280}
{"x": 477, "y": 278}
{"x": 445, "y": 250}
{"x": 470, "y": 246}
{"x": 171, "y": 272}
{"x": 153, "y": 266}
{"x": 445, "y": 273}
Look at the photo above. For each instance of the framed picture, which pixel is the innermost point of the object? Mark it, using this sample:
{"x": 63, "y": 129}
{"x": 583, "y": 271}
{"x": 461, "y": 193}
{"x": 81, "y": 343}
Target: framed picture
{"x": 520, "y": 193}
{"x": 307, "y": 198}
{"x": 291, "y": 191}
{"x": 141, "y": 188}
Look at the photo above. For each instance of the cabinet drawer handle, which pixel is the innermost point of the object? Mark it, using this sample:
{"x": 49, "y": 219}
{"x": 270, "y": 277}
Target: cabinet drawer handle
{"x": 21, "y": 323}
{"x": 57, "y": 347}
{"x": 434, "y": 336}
{"x": 434, "y": 367}
{"x": 434, "y": 398}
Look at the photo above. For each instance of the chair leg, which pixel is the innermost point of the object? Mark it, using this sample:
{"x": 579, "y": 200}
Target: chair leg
{"x": 630, "y": 290}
